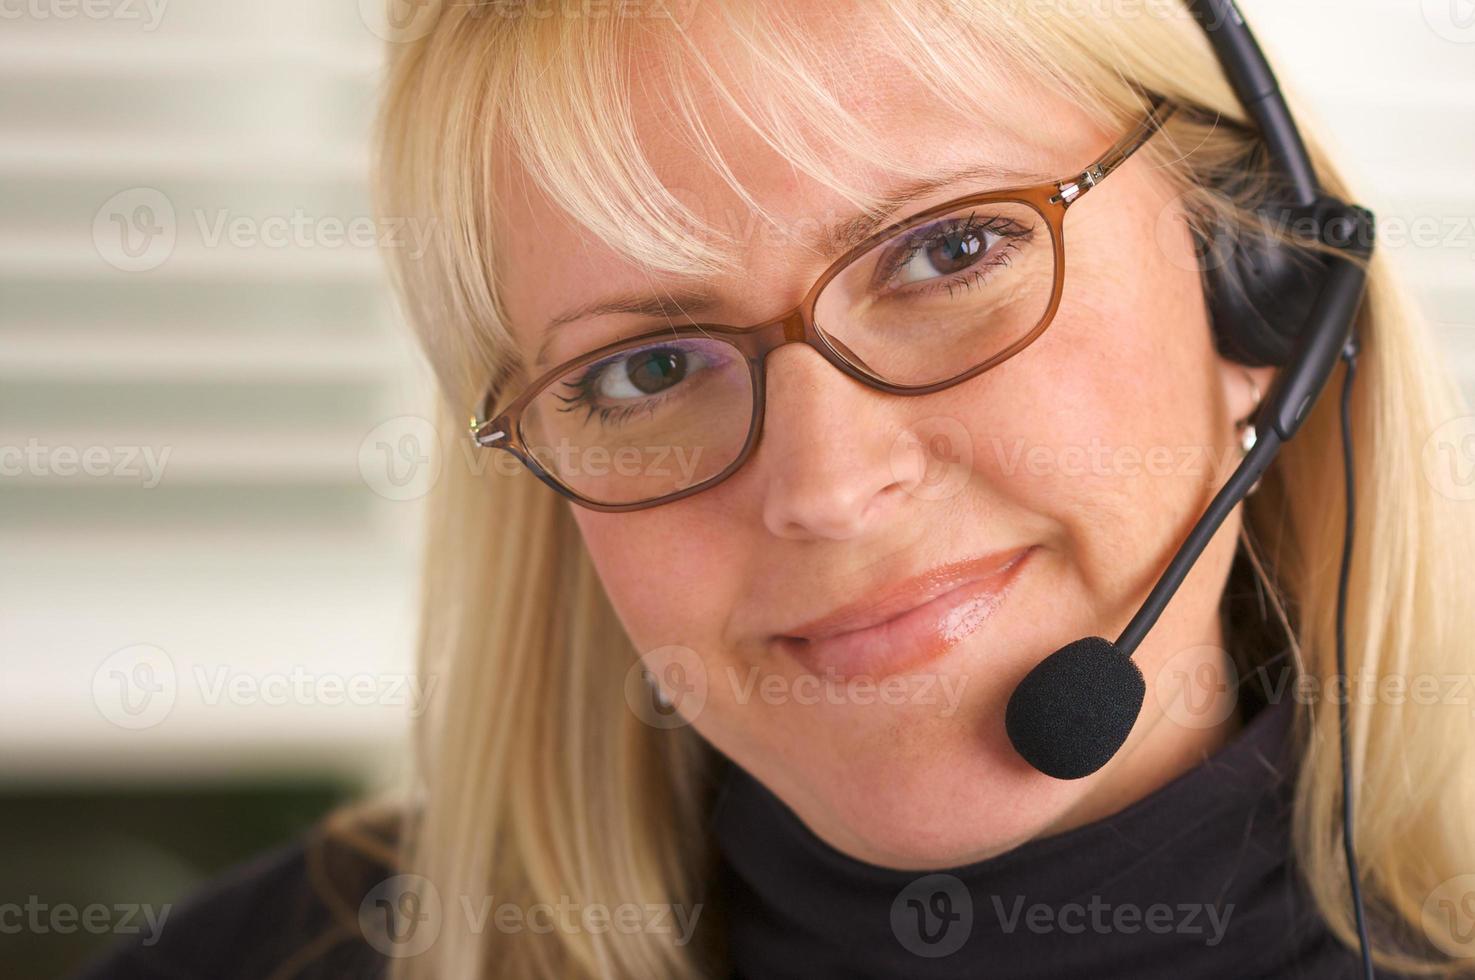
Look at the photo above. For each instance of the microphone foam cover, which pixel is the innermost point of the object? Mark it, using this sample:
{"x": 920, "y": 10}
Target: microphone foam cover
{"x": 1070, "y": 714}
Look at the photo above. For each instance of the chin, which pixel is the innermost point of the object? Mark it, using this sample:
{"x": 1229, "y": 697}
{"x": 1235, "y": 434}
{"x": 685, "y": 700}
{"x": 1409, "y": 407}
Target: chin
{"x": 913, "y": 788}
{"x": 926, "y": 804}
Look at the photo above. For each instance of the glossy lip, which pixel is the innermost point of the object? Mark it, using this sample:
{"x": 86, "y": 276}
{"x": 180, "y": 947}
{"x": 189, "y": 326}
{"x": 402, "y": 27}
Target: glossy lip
{"x": 907, "y": 623}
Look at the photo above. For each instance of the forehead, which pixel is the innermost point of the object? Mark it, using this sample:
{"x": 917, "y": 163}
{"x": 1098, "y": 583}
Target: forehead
{"x": 914, "y": 123}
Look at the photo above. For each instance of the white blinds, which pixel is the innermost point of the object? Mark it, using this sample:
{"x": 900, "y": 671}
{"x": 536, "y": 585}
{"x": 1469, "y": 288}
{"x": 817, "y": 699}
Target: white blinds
{"x": 183, "y": 304}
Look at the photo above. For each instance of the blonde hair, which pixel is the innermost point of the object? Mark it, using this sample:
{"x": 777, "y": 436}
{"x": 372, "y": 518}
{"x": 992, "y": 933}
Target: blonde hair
{"x": 536, "y": 781}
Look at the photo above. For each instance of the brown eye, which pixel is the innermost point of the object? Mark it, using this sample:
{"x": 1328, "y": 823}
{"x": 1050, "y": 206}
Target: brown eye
{"x": 648, "y": 372}
{"x": 946, "y": 251}
{"x": 947, "y": 248}
{"x": 653, "y": 371}
{"x": 955, "y": 251}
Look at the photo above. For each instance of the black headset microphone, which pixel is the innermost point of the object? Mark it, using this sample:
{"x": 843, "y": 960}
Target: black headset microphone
{"x": 1073, "y": 711}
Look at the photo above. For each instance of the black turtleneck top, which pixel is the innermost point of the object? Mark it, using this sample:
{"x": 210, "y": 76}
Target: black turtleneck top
{"x": 1195, "y": 880}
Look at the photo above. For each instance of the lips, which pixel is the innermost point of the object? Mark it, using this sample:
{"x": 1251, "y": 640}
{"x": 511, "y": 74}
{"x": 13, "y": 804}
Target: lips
{"x": 906, "y": 623}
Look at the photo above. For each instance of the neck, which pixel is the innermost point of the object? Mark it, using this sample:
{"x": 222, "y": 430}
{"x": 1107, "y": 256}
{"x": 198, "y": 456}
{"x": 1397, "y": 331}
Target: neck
{"x": 1208, "y": 853}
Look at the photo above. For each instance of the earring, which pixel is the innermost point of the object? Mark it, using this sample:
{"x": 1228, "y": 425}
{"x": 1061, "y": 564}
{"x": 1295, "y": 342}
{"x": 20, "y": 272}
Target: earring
{"x": 1246, "y": 426}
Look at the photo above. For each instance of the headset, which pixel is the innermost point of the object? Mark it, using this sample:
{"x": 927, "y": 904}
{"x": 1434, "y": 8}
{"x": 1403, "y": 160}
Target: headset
{"x": 1269, "y": 305}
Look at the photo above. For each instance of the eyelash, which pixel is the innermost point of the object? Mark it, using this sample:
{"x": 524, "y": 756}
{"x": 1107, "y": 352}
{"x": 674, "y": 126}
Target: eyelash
{"x": 583, "y": 387}
{"x": 974, "y": 273}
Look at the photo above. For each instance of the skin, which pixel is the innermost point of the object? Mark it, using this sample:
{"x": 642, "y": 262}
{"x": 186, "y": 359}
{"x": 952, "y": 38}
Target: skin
{"x": 820, "y": 517}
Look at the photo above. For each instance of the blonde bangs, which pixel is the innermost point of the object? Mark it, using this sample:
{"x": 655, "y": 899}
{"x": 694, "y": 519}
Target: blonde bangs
{"x": 555, "y": 98}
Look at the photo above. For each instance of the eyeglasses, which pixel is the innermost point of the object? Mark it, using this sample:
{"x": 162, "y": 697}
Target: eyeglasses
{"x": 924, "y": 304}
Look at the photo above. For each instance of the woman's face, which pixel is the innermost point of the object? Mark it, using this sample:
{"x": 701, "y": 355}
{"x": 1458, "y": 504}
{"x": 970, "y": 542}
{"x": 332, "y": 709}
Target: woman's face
{"x": 860, "y": 610}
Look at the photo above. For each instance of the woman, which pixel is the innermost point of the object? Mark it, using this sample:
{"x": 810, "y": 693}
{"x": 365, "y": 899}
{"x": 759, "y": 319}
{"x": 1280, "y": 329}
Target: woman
{"x": 723, "y": 693}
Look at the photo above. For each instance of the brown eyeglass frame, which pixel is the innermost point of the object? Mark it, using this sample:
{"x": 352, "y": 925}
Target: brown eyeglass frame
{"x": 1050, "y": 200}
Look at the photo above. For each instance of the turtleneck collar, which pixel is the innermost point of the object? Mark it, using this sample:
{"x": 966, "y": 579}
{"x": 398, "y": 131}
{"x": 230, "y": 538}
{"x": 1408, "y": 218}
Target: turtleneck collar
{"x": 1194, "y": 880}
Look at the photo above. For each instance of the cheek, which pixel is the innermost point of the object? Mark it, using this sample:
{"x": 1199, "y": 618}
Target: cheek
{"x": 1107, "y": 426}
{"x": 673, "y": 575}
{"x": 670, "y": 572}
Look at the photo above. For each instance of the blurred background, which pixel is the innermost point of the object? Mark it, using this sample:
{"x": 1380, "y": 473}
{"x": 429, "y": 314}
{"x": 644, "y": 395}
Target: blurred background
{"x": 212, "y": 446}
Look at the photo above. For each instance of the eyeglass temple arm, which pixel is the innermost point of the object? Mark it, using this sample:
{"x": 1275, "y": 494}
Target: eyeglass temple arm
{"x": 1073, "y": 188}
{"x": 490, "y": 434}
{"x": 485, "y": 431}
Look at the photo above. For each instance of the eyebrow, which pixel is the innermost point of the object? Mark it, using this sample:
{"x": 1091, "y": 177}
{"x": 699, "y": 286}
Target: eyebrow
{"x": 645, "y": 304}
{"x": 829, "y": 242}
{"x": 668, "y": 305}
{"x": 835, "y": 240}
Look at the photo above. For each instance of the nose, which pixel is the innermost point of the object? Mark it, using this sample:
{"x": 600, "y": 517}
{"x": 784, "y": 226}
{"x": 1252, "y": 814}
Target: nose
{"x": 829, "y": 460}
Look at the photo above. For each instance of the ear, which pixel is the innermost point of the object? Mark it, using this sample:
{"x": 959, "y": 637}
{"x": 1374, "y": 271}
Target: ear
{"x": 1242, "y": 388}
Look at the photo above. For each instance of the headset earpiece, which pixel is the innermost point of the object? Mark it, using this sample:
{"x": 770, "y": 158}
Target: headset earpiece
{"x": 1259, "y": 288}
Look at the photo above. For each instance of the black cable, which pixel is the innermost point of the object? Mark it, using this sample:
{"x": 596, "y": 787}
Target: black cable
{"x": 1349, "y": 356}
